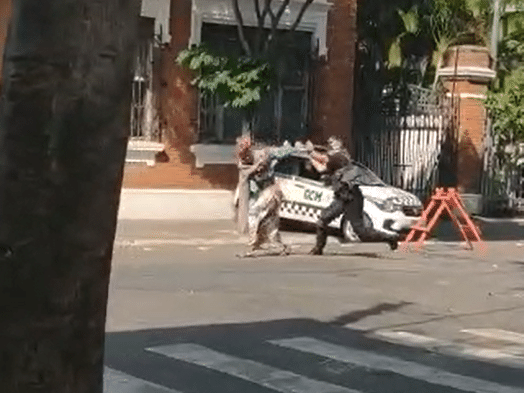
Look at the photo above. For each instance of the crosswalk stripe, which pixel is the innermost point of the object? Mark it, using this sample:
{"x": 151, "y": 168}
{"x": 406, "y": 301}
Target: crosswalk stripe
{"x": 119, "y": 382}
{"x": 497, "y": 334}
{"x": 406, "y": 368}
{"x": 412, "y": 338}
{"x": 261, "y": 374}
{"x": 505, "y": 356}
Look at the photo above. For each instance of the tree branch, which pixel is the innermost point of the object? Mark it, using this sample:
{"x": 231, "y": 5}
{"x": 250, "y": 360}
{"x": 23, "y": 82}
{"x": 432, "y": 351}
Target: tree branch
{"x": 267, "y": 8}
{"x": 240, "y": 28}
{"x": 303, "y": 9}
{"x": 275, "y": 20}
{"x": 281, "y": 10}
{"x": 261, "y": 17}
{"x": 257, "y": 10}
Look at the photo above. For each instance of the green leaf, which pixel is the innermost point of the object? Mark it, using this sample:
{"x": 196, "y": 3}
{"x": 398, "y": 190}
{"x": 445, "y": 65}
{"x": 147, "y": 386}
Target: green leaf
{"x": 239, "y": 82}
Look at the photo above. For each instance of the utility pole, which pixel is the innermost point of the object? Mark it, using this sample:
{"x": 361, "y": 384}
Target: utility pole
{"x": 495, "y": 30}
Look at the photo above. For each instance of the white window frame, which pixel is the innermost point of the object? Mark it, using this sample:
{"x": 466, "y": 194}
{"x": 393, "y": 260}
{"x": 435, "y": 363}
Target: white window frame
{"x": 160, "y": 10}
{"x": 314, "y": 19}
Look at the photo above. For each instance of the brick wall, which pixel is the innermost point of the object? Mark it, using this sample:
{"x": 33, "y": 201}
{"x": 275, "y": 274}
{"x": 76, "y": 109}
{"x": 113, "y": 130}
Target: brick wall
{"x": 469, "y": 56}
{"x": 334, "y": 89}
{"x": 472, "y": 115}
{"x": 177, "y": 102}
{"x": 5, "y": 17}
{"x": 332, "y": 111}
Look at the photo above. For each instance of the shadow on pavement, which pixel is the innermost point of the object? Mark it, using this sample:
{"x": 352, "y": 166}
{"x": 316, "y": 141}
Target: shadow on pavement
{"x": 252, "y": 345}
{"x": 491, "y": 230}
{"x": 357, "y": 315}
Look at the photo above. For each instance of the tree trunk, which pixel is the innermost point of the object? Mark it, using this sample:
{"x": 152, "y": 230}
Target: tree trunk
{"x": 243, "y": 200}
{"x": 243, "y": 181}
{"x": 63, "y": 136}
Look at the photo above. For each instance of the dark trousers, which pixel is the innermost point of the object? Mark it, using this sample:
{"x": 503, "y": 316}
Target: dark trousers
{"x": 351, "y": 205}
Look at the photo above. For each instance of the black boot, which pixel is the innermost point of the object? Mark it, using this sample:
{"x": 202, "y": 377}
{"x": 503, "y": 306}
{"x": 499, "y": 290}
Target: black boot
{"x": 315, "y": 251}
{"x": 372, "y": 235}
{"x": 393, "y": 243}
{"x": 321, "y": 239}
{"x": 392, "y": 240}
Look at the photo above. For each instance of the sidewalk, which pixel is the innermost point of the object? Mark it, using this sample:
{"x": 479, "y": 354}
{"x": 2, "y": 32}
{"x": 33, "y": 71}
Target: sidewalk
{"x": 193, "y": 233}
{"x": 177, "y": 232}
{"x": 209, "y": 214}
{"x": 223, "y": 232}
{"x": 175, "y": 204}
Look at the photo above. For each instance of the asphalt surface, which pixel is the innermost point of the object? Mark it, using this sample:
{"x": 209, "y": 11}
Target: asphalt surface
{"x": 187, "y": 315}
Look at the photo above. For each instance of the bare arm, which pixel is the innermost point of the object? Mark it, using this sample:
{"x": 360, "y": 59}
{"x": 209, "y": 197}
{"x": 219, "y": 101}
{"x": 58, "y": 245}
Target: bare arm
{"x": 259, "y": 164}
{"x": 319, "y": 161}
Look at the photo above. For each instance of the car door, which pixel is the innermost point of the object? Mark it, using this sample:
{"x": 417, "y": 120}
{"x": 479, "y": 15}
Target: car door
{"x": 304, "y": 197}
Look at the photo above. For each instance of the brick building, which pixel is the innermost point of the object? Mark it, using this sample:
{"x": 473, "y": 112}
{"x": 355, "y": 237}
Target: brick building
{"x": 199, "y": 137}
{"x": 194, "y": 141}
{"x": 5, "y": 15}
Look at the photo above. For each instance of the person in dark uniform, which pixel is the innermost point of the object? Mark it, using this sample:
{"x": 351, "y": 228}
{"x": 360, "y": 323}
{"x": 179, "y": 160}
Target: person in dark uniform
{"x": 348, "y": 199}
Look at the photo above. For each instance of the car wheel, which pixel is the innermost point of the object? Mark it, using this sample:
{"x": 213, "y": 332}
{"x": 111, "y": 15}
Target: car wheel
{"x": 367, "y": 221}
{"x": 347, "y": 229}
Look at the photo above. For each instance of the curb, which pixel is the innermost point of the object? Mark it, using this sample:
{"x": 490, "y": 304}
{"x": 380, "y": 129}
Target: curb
{"x": 174, "y": 204}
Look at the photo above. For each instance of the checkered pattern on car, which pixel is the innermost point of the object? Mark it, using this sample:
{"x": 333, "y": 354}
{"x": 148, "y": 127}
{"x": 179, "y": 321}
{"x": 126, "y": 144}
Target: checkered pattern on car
{"x": 302, "y": 210}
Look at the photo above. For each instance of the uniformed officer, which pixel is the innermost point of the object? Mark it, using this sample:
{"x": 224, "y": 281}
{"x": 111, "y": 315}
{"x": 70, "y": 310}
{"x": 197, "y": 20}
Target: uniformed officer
{"x": 348, "y": 198}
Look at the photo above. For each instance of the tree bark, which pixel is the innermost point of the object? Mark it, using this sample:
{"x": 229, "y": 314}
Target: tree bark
{"x": 243, "y": 200}
{"x": 63, "y": 136}
{"x": 240, "y": 28}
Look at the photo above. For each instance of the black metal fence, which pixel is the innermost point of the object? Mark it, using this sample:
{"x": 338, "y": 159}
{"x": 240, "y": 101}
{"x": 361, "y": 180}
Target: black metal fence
{"x": 409, "y": 149}
{"x": 502, "y": 185}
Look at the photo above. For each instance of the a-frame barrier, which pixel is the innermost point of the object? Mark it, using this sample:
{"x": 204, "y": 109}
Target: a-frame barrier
{"x": 443, "y": 200}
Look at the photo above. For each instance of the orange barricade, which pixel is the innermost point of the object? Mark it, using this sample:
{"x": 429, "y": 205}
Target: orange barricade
{"x": 443, "y": 200}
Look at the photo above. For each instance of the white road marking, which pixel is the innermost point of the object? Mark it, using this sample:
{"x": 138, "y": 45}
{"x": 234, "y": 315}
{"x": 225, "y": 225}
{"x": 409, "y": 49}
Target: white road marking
{"x": 412, "y": 338}
{"x": 119, "y": 382}
{"x": 261, "y": 374}
{"x": 506, "y": 356}
{"x": 497, "y": 334}
{"x": 402, "y": 367}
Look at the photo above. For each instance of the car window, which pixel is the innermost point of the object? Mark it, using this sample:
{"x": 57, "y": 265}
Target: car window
{"x": 288, "y": 166}
{"x": 299, "y": 166}
{"x": 366, "y": 176}
{"x": 308, "y": 171}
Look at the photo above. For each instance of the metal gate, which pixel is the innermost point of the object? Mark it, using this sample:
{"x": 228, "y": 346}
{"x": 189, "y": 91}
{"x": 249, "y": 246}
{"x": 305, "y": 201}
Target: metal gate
{"x": 144, "y": 125}
{"x": 413, "y": 145}
{"x": 502, "y": 185}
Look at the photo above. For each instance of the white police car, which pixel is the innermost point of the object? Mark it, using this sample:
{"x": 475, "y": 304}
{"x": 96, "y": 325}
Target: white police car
{"x": 388, "y": 209}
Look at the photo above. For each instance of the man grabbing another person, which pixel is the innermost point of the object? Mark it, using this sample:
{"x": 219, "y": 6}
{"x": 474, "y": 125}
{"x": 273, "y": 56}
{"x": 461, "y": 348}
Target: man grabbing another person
{"x": 348, "y": 199}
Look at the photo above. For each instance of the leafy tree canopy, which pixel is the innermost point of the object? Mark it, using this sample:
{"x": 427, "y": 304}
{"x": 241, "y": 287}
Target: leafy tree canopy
{"x": 506, "y": 107}
{"x": 240, "y": 81}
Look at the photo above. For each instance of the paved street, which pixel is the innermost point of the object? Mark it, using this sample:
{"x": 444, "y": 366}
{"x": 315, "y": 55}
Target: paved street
{"x": 186, "y": 315}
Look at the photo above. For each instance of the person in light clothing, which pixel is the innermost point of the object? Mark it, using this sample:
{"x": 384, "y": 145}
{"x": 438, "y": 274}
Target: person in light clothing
{"x": 265, "y": 195}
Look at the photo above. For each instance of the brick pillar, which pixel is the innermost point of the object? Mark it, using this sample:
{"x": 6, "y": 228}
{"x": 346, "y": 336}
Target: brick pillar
{"x": 334, "y": 86}
{"x": 5, "y": 17}
{"x": 178, "y": 96}
{"x": 466, "y": 74}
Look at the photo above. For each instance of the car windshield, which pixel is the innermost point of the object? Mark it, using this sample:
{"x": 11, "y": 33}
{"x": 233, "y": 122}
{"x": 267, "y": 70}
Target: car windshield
{"x": 363, "y": 176}
{"x": 300, "y": 166}
{"x": 297, "y": 166}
